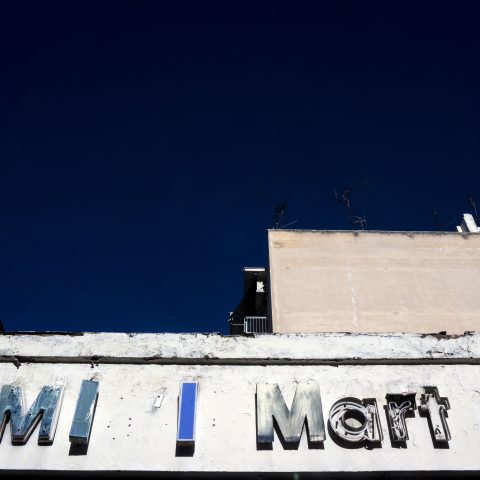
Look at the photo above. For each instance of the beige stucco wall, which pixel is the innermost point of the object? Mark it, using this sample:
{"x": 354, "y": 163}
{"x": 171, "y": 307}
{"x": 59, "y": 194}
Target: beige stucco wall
{"x": 325, "y": 281}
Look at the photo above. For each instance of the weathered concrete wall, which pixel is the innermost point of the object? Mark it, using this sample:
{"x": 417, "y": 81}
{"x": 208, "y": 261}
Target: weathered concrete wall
{"x": 131, "y": 434}
{"x": 325, "y": 281}
{"x": 217, "y": 349}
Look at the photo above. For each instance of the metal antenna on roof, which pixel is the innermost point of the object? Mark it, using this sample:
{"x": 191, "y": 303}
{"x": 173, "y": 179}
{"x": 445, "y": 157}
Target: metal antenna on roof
{"x": 473, "y": 206}
{"x": 344, "y": 199}
{"x": 280, "y": 212}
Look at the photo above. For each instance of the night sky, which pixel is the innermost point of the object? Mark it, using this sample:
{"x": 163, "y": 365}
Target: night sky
{"x": 142, "y": 143}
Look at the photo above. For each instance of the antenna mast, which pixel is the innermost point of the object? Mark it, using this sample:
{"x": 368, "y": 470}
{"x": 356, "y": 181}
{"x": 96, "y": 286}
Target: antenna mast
{"x": 344, "y": 199}
{"x": 280, "y": 212}
{"x": 473, "y": 206}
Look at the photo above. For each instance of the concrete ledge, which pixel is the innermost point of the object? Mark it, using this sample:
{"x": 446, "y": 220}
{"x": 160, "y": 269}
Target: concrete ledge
{"x": 326, "y": 348}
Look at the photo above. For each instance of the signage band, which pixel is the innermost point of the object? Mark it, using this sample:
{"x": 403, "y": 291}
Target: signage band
{"x": 351, "y": 420}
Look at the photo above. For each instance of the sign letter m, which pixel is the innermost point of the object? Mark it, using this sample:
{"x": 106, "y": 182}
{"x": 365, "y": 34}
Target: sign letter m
{"x": 46, "y": 408}
{"x": 306, "y": 408}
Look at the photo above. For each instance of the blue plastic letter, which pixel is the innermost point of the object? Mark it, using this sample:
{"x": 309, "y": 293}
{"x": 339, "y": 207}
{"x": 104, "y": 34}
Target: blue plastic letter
{"x": 187, "y": 406}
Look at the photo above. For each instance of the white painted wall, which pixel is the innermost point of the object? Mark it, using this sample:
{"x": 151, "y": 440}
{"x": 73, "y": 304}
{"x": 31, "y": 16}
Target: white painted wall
{"x": 208, "y": 348}
{"x": 130, "y": 434}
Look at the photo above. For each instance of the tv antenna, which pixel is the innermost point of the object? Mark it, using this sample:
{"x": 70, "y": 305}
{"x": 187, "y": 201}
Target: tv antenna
{"x": 344, "y": 199}
{"x": 473, "y": 206}
{"x": 280, "y": 212}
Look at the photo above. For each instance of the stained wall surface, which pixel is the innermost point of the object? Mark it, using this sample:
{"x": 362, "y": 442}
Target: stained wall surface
{"x": 339, "y": 281}
{"x": 133, "y": 433}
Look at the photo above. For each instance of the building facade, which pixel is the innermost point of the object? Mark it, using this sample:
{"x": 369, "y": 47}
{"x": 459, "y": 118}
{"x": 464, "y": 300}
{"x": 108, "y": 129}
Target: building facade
{"x": 364, "y": 282}
{"x": 370, "y": 282}
{"x": 360, "y": 404}
{"x": 372, "y": 370}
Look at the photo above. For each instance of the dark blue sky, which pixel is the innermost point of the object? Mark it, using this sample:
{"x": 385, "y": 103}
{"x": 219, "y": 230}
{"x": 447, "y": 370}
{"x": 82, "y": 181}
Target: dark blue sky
{"x": 137, "y": 141}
